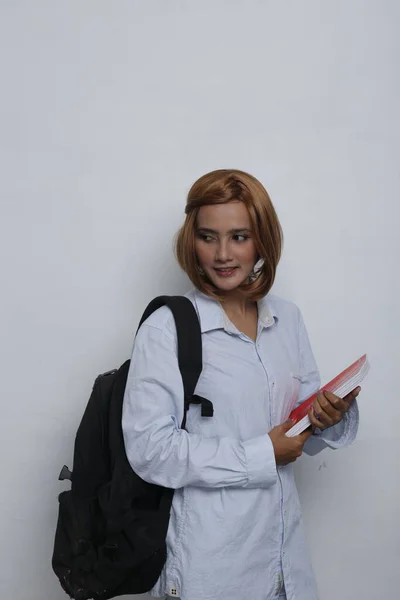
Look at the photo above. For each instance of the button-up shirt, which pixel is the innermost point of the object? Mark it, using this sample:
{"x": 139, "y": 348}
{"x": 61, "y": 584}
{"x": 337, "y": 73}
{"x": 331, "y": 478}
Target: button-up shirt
{"x": 235, "y": 529}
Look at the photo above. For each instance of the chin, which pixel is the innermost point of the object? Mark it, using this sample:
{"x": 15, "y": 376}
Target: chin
{"x": 226, "y": 287}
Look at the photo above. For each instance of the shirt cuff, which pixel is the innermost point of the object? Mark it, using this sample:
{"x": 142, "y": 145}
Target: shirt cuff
{"x": 344, "y": 433}
{"x": 260, "y": 459}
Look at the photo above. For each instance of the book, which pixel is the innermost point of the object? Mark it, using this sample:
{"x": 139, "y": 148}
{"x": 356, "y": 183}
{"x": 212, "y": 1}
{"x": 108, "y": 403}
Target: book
{"x": 341, "y": 385}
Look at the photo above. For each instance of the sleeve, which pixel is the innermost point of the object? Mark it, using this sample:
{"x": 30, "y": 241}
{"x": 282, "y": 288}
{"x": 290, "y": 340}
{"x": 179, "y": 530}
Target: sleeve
{"x": 338, "y": 436}
{"x": 162, "y": 453}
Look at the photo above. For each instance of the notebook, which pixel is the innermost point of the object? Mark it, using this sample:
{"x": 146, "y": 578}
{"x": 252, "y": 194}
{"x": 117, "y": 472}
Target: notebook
{"x": 341, "y": 385}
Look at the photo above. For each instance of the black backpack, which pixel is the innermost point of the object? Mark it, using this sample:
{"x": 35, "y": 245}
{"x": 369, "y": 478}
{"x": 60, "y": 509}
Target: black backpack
{"x": 112, "y": 525}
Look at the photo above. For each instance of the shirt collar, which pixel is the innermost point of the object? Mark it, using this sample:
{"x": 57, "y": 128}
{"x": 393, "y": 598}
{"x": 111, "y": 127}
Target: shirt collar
{"x": 212, "y": 316}
{"x": 267, "y": 314}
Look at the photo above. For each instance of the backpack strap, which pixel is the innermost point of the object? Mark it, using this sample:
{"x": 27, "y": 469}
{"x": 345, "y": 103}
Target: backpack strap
{"x": 190, "y": 365}
{"x": 189, "y": 348}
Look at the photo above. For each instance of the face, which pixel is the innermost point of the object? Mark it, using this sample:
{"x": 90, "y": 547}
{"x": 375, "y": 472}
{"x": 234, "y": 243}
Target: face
{"x": 224, "y": 244}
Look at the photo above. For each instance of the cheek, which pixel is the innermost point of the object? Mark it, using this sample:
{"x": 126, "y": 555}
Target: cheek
{"x": 203, "y": 253}
{"x": 247, "y": 253}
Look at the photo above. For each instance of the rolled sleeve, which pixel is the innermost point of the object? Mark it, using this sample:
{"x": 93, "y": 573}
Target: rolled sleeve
{"x": 344, "y": 433}
{"x": 260, "y": 460}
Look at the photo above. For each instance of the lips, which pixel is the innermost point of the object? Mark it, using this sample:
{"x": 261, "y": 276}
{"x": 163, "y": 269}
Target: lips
{"x": 225, "y": 271}
{"x": 225, "y": 268}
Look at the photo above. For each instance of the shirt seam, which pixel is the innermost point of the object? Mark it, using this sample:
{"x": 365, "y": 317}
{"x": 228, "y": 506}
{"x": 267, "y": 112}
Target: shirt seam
{"x": 151, "y": 326}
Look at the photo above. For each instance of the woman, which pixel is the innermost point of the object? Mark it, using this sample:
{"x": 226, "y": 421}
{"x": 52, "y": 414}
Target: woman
{"x": 235, "y": 530}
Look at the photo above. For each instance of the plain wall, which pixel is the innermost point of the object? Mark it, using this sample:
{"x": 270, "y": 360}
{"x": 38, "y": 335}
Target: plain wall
{"x": 109, "y": 111}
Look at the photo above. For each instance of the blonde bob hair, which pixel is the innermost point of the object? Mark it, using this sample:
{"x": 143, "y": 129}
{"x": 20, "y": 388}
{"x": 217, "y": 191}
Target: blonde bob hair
{"x": 220, "y": 187}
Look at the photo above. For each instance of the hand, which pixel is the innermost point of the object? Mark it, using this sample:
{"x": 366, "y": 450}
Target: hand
{"x": 328, "y": 409}
{"x": 287, "y": 449}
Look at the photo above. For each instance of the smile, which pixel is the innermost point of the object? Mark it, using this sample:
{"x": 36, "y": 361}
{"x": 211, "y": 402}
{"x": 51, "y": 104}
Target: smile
{"x": 225, "y": 271}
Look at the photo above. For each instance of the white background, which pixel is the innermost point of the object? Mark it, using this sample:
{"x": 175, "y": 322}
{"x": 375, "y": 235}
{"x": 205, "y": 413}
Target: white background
{"x": 109, "y": 111}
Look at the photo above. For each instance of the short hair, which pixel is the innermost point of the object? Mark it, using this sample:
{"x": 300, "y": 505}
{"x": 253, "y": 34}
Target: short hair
{"x": 220, "y": 187}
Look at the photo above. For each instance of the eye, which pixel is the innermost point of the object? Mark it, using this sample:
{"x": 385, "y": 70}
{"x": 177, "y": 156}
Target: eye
{"x": 240, "y": 237}
{"x": 205, "y": 237}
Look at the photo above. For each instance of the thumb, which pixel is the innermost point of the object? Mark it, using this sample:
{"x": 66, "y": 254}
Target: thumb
{"x": 352, "y": 395}
{"x": 287, "y": 425}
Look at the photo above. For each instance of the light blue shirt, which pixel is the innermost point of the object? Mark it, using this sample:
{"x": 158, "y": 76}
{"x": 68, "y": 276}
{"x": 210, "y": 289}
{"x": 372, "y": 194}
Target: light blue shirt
{"x": 236, "y": 526}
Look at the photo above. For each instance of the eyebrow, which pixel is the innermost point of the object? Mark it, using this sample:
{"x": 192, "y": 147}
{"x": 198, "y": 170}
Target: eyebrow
{"x": 237, "y": 230}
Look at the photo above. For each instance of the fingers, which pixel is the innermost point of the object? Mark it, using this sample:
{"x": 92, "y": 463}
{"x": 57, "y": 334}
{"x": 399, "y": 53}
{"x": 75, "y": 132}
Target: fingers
{"x": 352, "y": 396}
{"x": 331, "y": 403}
{"x": 327, "y": 410}
{"x": 316, "y": 422}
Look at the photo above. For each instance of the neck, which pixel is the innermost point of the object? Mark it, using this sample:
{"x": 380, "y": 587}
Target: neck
{"x": 236, "y": 302}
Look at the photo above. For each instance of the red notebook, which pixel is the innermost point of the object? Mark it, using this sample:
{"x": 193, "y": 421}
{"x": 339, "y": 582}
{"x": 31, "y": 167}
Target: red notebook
{"x": 342, "y": 385}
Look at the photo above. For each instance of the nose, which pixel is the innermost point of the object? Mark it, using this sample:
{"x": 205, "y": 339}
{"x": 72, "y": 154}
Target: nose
{"x": 223, "y": 252}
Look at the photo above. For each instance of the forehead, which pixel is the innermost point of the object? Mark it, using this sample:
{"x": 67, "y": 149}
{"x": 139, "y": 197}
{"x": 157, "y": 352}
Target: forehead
{"x": 233, "y": 215}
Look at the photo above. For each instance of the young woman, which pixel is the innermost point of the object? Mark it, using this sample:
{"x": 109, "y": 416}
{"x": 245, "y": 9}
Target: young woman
{"x": 236, "y": 530}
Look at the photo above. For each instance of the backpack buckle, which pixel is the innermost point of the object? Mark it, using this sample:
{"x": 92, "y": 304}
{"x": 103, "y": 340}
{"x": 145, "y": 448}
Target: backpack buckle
{"x": 207, "y": 408}
{"x": 65, "y": 473}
